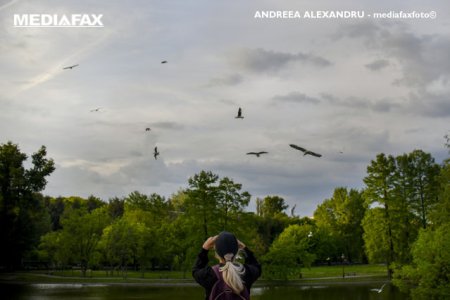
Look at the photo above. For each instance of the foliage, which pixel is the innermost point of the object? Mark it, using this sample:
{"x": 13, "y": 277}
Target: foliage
{"x": 202, "y": 202}
{"x": 341, "y": 217}
{"x": 405, "y": 189}
{"x": 21, "y": 207}
{"x": 77, "y": 241}
{"x": 270, "y": 206}
{"x": 429, "y": 274}
{"x": 289, "y": 252}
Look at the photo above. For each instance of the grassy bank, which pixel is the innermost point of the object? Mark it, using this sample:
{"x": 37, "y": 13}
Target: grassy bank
{"x": 353, "y": 273}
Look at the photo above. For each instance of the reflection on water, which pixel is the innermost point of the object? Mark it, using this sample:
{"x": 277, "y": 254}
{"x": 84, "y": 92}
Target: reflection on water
{"x": 65, "y": 285}
{"x": 270, "y": 292}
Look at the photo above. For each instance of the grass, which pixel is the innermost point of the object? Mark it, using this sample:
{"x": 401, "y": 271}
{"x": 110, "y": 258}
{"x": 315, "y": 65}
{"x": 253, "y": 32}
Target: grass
{"x": 349, "y": 270}
{"x": 323, "y": 273}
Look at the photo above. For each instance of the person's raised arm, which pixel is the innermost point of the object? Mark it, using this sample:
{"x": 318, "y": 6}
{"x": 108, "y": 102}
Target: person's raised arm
{"x": 200, "y": 270}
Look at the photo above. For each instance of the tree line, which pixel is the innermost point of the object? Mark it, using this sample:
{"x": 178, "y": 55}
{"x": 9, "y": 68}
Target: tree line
{"x": 400, "y": 218}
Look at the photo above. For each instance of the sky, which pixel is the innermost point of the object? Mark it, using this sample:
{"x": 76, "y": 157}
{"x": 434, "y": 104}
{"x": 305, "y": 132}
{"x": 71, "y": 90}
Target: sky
{"x": 347, "y": 88}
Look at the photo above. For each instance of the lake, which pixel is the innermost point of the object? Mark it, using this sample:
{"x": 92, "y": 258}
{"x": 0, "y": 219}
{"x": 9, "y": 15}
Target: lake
{"x": 187, "y": 292}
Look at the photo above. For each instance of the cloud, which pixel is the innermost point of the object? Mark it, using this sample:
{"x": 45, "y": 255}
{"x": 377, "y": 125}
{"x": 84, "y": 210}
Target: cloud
{"x": 423, "y": 58}
{"x": 378, "y": 64}
{"x": 261, "y": 60}
{"x": 7, "y": 4}
{"x": 435, "y": 106}
{"x": 229, "y": 80}
{"x": 296, "y": 97}
{"x": 358, "y": 103}
{"x": 167, "y": 125}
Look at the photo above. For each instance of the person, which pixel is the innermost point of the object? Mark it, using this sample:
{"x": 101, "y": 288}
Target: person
{"x": 239, "y": 278}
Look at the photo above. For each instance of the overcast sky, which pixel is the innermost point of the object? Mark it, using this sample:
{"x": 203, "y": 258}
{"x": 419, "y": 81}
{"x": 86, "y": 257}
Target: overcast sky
{"x": 346, "y": 88}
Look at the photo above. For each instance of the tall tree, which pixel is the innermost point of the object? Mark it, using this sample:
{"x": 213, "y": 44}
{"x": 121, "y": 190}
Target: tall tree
{"x": 270, "y": 206}
{"x": 230, "y": 200}
{"x": 81, "y": 233}
{"x": 202, "y": 200}
{"x": 19, "y": 202}
{"x": 380, "y": 187}
{"x": 429, "y": 270}
{"x": 342, "y": 216}
{"x": 425, "y": 183}
{"x": 290, "y": 251}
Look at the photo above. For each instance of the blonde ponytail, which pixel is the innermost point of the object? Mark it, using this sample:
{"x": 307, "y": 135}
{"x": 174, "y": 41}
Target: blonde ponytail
{"x": 231, "y": 273}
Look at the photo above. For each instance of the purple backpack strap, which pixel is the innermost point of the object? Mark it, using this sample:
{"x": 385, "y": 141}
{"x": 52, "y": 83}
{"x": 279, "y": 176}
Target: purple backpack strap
{"x": 244, "y": 295}
{"x": 216, "y": 271}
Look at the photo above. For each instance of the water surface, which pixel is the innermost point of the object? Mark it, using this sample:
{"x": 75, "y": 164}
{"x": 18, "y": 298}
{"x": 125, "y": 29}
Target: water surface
{"x": 187, "y": 292}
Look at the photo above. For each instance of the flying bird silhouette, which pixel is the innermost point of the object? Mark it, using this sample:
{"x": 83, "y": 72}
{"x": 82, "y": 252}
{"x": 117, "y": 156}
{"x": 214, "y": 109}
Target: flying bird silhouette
{"x": 70, "y": 67}
{"x": 378, "y": 290}
{"x": 164, "y": 62}
{"x": 147, "y": 129}
{"x": 239, "y": 115}
{"x": 305, "y": 151}
{"x": 96, "y": 109}
{"x": 155, "y": 153}
{"x": 257, "y": 153}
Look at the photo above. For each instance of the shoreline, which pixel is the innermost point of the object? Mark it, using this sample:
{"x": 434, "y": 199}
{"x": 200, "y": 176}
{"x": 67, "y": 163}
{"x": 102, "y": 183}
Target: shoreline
{"x": 51, "y": 281}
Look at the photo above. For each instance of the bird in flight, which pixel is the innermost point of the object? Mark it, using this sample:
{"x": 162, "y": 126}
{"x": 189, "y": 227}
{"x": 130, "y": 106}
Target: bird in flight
{"x": 239, "y": 115}
{"x": 147, "y": 129}
{"x": 305, "y": 151}
{"x": 257, "y": 153}
{"x": 155, "y": 153}
{"x": 378, "y": 290}
{"x": 70, "y": 67}
{"x": 164, "y": 62}
{"x": 96, "y": 109}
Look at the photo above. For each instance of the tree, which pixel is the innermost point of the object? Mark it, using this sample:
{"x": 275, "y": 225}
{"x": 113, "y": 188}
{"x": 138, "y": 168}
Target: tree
{"x": 341, "y": 216}
{"x": 202, "y": 201}
{"x": 428, "y": 275}
{"x": 116, "y": 207}
{"x": 125, "y": 242}
{"x": 380, "y": 186}
{"x": 424, "y": 180}
{"x": 376, "y": 239}
{"x": 270, "y": 206}
{"x": 81, "y": 233}
{"x": 55, "y": 207}
{"x": 230, "y": 201}
{"x": 291, "y": 250}
{"x": 20, "y": 202}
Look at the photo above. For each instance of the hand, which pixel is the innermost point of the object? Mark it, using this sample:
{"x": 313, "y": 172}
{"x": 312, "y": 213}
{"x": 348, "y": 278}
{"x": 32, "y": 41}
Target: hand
{"x": 209, "y": 243}
{"x": 241, "y": 244}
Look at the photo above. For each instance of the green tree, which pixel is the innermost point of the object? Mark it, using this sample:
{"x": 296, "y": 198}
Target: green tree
{"x": 440, "y": 214}
{"x": 270, "y": 206}
{"x": 341, "y": 216}
{"x": 425, "y": 182}
{"x": 126, "y": 242}
{"x": 290, "y": 251}
{"x": 376, "y": 239}
{"x": 20, "y": 204}
{"x": 429, "y": 274}
{"x": 202, "y": 201}
{"x": 55, "y": 207}
{"x": 81, "y": 233}
{"x": 230, "y": 201}
{"x": 380, "y": 190}
{"x": 116, "y": 207}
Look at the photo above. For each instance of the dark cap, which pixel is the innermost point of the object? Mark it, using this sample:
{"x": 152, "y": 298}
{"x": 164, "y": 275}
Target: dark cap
{"x": 226, "y": 243}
